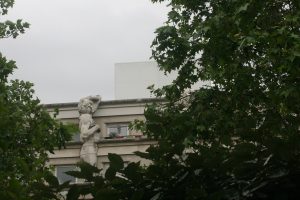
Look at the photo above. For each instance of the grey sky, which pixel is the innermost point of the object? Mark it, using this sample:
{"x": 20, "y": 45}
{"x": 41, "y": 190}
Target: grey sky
{"x": 72, "y": 45}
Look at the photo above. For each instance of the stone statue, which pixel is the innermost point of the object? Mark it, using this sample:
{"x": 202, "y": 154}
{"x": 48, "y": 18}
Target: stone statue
{"x": 89, "y": 131}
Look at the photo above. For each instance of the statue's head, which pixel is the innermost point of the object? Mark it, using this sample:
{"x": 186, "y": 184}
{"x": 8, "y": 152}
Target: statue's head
{"x": 89, "y": 105}
{"x": 85, "y": 106}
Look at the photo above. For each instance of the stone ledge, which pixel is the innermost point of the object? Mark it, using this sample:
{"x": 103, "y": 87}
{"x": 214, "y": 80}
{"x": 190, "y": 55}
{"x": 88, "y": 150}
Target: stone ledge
{"x": 110, "y": 102}
{"x": 113, "y": 140}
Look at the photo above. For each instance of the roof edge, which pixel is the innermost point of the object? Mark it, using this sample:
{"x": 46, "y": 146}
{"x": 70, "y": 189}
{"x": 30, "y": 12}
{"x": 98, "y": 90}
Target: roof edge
{"x": 109, "y": 102}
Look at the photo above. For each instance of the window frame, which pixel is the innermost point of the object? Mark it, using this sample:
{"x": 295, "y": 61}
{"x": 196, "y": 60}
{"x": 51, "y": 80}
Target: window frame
{"x": 117, "y": 125}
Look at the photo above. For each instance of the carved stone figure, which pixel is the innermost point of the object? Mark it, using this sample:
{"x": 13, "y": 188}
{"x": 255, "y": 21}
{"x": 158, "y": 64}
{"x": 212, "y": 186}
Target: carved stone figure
{"x": 89, "y": 130}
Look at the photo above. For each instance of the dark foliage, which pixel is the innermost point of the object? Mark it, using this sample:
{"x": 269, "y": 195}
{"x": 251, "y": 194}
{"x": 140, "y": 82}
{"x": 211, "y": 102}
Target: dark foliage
{"x": 27, "y": 131}
{"x": 238, "y": 136}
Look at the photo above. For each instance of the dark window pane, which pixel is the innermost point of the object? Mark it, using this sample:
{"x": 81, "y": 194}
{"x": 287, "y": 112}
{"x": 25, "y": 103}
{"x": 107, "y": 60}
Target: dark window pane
{"x": 60, "y": 173}
{"x": 114, "y": 130}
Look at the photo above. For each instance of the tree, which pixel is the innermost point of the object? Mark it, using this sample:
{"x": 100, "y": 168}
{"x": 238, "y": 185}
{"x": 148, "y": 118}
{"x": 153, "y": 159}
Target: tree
{"x": 27, "y": 131}
{"x": 238, "y": 137}
{"x": 243, "y": 129}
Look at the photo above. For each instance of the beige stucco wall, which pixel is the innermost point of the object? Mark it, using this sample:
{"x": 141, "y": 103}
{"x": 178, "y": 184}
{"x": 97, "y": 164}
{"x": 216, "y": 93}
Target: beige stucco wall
{"x": 123, "y": 147}
{"x": 107, "y": 113}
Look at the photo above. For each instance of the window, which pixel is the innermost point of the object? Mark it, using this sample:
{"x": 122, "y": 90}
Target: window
{"x": 117, "y": 130}
{"x": 62, "y": 176}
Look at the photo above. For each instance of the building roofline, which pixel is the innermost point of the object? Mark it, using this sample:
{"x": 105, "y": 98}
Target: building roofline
{"x": 135, "y": 62}
{"x": 109, "y": 102}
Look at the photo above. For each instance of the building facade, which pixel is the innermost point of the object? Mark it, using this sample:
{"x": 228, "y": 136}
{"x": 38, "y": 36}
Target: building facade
{"x": 114, "y": 118}
{"x": 132, "y": 79}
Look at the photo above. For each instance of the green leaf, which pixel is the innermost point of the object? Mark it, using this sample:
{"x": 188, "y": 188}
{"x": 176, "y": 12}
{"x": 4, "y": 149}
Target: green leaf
{"x": 132, "y": 172}
{"x": 64, "y": 185}
{"x": 107, "y": 194}
{"x": 243, "y": 8}
{"x": 73, "y": 193}
{"x": 142, "y": 154}
{"x": 296, "y": 53}
{"x": 116, "y": 161}
{"x": 137, "y": 195}
{"x": 51, "y": 179}
{"x": 110, "y": 173}
{"x": 99, "y": 182}
{"x": 87, "y": 171}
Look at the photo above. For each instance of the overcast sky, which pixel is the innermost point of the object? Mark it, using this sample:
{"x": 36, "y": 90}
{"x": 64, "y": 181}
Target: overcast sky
{"x": 71, "y": 47}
